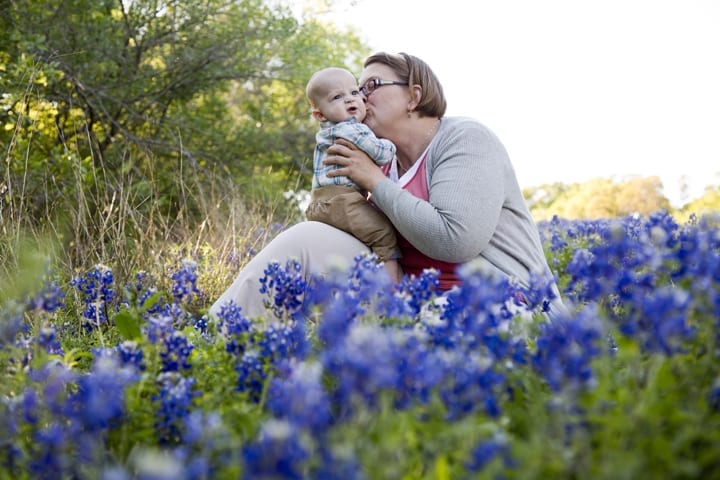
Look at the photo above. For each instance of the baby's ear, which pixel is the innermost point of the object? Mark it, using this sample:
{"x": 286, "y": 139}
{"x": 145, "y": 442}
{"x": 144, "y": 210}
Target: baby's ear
{"x": 317, "y": 115}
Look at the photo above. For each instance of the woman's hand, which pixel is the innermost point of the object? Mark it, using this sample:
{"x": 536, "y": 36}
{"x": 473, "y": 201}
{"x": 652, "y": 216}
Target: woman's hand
{"x": 354, "y": 164}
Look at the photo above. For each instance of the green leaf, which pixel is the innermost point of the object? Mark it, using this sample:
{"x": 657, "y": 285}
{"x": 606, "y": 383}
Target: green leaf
{"x": 128, "y": 325}
{"x": 151, "y": 301}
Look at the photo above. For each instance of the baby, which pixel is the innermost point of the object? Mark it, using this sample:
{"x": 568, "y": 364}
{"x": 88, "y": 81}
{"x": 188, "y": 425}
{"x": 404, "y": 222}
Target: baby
{"x": 338, "y": 105}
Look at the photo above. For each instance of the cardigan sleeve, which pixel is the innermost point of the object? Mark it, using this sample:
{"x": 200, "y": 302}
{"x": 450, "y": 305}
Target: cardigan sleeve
{"x": 467, "y": 168}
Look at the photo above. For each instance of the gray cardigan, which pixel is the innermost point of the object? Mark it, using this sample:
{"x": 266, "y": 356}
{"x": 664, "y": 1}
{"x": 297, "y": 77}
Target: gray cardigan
{"x": 476, "y": 209}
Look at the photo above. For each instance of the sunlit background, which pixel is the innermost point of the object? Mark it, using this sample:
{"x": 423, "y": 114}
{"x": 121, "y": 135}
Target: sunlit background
{"x": 576, "y": 89}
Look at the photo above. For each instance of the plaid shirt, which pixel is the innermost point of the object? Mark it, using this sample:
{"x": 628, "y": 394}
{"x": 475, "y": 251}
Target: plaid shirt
{"x": 381, "y": 151}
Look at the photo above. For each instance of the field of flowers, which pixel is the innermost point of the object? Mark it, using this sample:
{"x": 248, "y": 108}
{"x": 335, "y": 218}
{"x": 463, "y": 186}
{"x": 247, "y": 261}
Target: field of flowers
{"x": 356, "y": 379}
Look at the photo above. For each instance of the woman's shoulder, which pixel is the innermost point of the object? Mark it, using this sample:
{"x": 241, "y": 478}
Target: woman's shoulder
{"x": 464, "y": 132}
{"x": 463, "y": 125}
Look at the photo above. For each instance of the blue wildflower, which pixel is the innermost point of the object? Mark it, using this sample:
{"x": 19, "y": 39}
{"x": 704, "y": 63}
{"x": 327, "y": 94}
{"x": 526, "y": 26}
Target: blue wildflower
{"x": 565, "y": 349}
{"x": 184, "y": 288}
{"x": 300, "y": 398}
{"x": 130, "y": 353}
{"x": 234, "y": 327}
{"x": 176, "y": 397}
{"x": 277, "y": 453}
{"x": 99, "y": 399}
{"x": 47, "y": 339}
{"x": 49, "y": 299}
{"x": 488, "y": 450}
{"x": 176, "y": 352}
{"x": 285, "y": 288}
{"x": 98, "y": 294}
{"x": 251, "y": 375}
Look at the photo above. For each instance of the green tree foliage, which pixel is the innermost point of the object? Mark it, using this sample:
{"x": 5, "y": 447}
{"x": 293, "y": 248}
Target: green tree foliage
{"x": 598, "y": 198}
{"x": 706, "y": 204}
{"x": 103, "y": 99}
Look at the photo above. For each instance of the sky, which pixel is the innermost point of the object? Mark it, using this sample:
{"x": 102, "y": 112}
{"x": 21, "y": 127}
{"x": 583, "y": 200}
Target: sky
{"x": 575, "y": 89}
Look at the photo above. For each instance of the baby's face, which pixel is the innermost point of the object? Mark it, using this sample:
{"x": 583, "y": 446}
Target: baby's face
{"x": 341, "y": 99}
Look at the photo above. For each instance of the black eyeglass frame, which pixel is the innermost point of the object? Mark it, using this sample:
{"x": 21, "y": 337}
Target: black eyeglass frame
{"x": 374, "y": 83}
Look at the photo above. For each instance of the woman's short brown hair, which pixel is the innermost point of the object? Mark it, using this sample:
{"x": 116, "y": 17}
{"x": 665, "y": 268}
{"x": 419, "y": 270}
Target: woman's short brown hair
{"x": 414, "y": 71}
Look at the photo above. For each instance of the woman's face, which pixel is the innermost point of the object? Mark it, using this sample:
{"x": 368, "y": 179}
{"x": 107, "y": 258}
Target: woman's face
{"x": 387, "y": 104}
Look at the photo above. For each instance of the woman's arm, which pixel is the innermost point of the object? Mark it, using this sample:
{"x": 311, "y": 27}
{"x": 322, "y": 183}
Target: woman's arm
{"x": 467, "y": 170}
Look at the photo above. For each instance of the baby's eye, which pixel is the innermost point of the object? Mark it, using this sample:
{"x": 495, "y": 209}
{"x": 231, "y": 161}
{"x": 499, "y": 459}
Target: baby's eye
{"x": 355, "y": 93}
{"x": 337, "y": 97}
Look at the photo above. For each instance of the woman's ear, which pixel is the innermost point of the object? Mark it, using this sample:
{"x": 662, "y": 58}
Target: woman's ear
{"x": 415, "y": 96}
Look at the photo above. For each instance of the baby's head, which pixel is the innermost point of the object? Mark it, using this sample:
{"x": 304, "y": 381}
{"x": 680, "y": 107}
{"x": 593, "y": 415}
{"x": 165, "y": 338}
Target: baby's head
{"x": 334, "y": 95}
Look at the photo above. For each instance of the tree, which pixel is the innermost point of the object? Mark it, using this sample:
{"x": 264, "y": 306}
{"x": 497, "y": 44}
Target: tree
{"x": 598, "y": 198}
{"x": 101, "y": 88}
{"x": 708, "y": 203}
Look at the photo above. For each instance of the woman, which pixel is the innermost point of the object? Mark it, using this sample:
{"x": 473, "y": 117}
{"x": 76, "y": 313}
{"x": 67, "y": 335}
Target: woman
{"x": 452, "y": 194}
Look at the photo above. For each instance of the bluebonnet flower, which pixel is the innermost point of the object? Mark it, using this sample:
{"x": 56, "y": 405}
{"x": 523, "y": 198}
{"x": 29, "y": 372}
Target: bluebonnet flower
{"x": 474, "y": 312}
{"x": 47, "y": 339}
{"x": 205, "y": 441}
{"x": 176, "y": 353}
{"x": 472, "y": 384}
{"x": 565, "y": 349}
{"x": 99, "y": 399}
{"x": 300, "y": 398}
{"x": 98, "y": 294}
{"x": 420, "y": 290}
{"x": 277, "y": 453}
{"x": 11, "y": 456}
{"x": 337, "y": 317}
{"x": 285, "y": 288}
{"x": 488, "y": 450}
{"x": 30, "y": 406}
{"x": 660, "y": 320}
{"x": 283, "y": 340}
{"x": 359, "y": 376}
{"x": 697, "y": 267}
{"x": 234, "y": 328}
{"x": 420, "y": 369}
{"x": 251, "y": 375}
{"x": 143, "y": 289}
{"x": 201, "y": 325}
{"x": 176, "y": 397}
{"x": 184, "y": 288}
{"x": 158, "y": 327}
{"x": 53, "y": 379}
{"x": 538, "y": 296}
{"x": 50, "y": 459}
{"x": 11, "y": 322}
{"x": 49, "y": 299}
{"x": 365, "y": 288}
{"x": 131, "y": 354}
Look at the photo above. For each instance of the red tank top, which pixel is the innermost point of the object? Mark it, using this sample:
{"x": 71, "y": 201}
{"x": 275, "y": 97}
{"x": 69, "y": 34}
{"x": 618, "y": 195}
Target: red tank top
{"x": 413, "y": 261}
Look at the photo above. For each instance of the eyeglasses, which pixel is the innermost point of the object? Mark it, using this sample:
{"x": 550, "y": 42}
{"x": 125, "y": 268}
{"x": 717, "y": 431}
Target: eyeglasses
{"x": 375, "y": 83}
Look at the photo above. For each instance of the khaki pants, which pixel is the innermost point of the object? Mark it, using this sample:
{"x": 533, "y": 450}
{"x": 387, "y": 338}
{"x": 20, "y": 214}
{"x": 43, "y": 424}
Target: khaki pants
{"x": 318, "y": 247}
{"x": 347, "y": 209}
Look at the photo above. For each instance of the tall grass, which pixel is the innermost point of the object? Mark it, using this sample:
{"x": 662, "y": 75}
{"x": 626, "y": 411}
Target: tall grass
{"x": 123, "y": 219}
